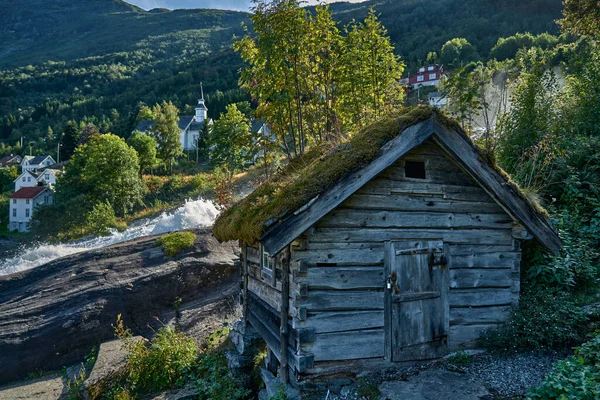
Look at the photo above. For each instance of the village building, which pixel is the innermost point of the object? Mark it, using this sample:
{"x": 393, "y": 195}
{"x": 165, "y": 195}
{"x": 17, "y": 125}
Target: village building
{"x": 9, "y": 161}
{"x": 22, "y": 205}
{"x": 400, "y": 246}
{"x": 437, "y": 99}
{"x": 34, "y": 163}
{"x": 259, "y": 127}
{"x": 30, "y": 178}
{"x": 191, "y": 126}
{"x": 428, "y": 75}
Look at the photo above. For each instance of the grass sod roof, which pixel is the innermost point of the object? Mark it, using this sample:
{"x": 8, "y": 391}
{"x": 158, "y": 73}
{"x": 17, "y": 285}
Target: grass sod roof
{"x": 312, "y": 173}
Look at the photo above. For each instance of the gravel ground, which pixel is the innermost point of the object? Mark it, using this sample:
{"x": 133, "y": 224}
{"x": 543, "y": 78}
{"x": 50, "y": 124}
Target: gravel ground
{"x": 509, "y": 376}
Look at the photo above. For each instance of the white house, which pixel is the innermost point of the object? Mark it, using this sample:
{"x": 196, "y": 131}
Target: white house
{"x": 26, "y": 179}
{"x": 23, "y": 203}
{"x": 33, "y": 163}
{"x": 190, "y": 125}
{"x": 45, "y": 177}
{"x": 260, "y": 127}
{"x": 437, "y": 99}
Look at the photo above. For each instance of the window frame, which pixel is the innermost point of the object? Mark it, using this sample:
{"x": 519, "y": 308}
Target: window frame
{"x": 267, "y": 264}
{"x": 27, "y": 212}
{"x": 420, "y": 78}
{"x": 14, "y": 213}
{"x": 432, "y": 76}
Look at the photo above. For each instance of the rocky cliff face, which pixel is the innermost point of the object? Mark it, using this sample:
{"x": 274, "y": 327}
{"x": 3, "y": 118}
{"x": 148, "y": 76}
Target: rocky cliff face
{"x": 54, "y": 314}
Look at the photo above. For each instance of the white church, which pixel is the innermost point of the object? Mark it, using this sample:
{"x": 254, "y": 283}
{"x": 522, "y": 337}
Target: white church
{"x": 190, "y": 125}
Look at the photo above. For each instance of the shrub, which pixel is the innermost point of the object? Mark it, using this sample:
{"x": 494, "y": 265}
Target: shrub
{"x": 102, "y": 218}
{"x": 213, "y": 380}
{"x": 460, "y": 358}
{"x": 369, "y": 391}
{"x": 174, "y": 243}
{"x": 544, "y": 319}
{"x": 577, "y": 377}
{"x": 161, "y": 364}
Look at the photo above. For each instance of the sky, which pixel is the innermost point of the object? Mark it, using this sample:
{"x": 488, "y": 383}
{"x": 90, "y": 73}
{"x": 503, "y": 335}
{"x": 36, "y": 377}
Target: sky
{"x": 240, "y": 5}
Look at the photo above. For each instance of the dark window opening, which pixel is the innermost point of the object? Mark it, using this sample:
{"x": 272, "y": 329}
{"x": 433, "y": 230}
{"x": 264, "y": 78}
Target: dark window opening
{"x": 415, "y": 169}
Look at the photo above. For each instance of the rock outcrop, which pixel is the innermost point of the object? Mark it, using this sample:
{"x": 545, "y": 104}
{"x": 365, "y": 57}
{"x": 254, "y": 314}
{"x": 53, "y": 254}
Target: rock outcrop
{"x": 54, "y": 314}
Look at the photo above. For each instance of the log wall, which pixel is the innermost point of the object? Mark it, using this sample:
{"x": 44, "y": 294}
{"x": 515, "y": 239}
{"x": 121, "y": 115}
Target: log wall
{"x": 343, "y": 257}
{"x": 337, "y": 274}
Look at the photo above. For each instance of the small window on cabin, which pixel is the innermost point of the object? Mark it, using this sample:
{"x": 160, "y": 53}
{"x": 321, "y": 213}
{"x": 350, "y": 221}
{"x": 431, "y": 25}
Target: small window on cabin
{"x": 420, "y": 78}
{"x": 266, "y": 261}
{"x": 430, "y": 68}
{"x": 415, "y": 169}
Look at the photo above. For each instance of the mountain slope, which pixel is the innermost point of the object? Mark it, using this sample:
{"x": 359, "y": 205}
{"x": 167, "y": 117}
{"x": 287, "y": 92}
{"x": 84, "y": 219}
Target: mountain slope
{"x": 417, "y": 27}
{"x": 35, "y": 31}
{"x": 99, "y": 59}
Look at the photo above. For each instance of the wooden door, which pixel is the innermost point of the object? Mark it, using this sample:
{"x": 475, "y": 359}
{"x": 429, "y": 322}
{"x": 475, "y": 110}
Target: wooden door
{"x": 416, "y": 309}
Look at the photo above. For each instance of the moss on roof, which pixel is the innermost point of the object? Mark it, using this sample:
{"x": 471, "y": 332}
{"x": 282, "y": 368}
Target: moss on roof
{"x": 312, "y": 173}
{"x": 309, "y": 175}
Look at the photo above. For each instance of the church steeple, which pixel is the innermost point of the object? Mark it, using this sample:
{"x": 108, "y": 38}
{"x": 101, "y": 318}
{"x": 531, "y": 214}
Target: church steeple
{"x": 201, "y": 110}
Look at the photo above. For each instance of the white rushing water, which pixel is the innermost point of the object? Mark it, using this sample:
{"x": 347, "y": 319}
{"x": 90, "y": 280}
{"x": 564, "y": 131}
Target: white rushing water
{"x": 193, "y": 214}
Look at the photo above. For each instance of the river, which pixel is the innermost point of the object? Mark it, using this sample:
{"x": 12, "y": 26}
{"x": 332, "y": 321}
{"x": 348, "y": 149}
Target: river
{"x": 193, "y": 214}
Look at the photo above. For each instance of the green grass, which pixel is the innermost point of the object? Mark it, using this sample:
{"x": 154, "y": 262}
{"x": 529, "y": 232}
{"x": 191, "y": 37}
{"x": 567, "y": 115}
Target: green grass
{"x": 308, "y": 175}
{"x": 174, "y": 243}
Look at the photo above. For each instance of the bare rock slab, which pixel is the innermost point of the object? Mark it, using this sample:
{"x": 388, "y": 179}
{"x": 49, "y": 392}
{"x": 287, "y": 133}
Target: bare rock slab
{"x": 47, "y": 388}
{"x": 435, "y": 385}
{"x": 111, "y": 361}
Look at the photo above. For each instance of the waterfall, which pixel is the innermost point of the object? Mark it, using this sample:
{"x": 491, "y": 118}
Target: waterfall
{"x": 193, "y": 214}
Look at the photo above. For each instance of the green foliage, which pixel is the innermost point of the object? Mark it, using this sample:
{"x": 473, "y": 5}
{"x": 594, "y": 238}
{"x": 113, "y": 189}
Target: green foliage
{"x": 7, "y": 178}
{"x": 101, "y": 219}
{"x": 70, "y": 139}
{"x": 577, "y": 266}
{"x": 307, "y": 176}
{"x": 281, "y": 395}
{"x": 231, "y": 140}
{"x": 576, "y": 378}
{"x": 214, "y": 381}
{"x": 146, "y": 148}
{"x": 581, "y": 17}
{"x": 75, "y": 383}
{"x": 457, "y": 52}
{"x": 460, "y": 358}
{"x": 172, "y": 359}
{"x": 311, "y": 82}
{"x": 174, "y": 243}
{"x": 167, "y": 133}
{"x": 163, "y": 363}
{"x": 369, "y": 391}
{"x": 105, "y": 170}
{"x": 544, "y": 319}
{"x": 507, "y": 48}
{"x": 532, "y": 116}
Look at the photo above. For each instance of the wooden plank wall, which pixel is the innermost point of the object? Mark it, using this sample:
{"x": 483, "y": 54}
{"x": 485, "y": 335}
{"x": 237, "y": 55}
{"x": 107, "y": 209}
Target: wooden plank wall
{"x": 264, "y": 308}
{"x": 339, "y": 273}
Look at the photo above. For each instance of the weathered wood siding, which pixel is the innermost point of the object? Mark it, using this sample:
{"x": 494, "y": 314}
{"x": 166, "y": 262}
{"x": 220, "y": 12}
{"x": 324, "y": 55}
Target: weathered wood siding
{"x": 338, "y": 264}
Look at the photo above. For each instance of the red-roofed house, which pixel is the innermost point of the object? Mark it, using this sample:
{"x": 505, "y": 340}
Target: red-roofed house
{"x": 429, "y": 75}
{"x": 23, "y": 203}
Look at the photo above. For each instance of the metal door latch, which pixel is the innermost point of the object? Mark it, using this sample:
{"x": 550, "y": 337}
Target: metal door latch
{"x": 442, "y": 262}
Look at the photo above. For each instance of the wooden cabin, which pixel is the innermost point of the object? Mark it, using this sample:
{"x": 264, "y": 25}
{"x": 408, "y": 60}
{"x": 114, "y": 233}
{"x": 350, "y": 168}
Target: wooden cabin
{"x": 406, "y": 258}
